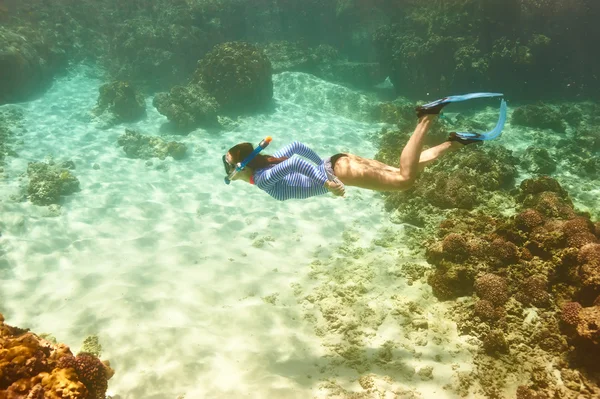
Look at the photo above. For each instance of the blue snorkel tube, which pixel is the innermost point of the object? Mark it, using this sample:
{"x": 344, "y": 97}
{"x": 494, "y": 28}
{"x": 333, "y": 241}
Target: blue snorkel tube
{"x": 241, "y": 165}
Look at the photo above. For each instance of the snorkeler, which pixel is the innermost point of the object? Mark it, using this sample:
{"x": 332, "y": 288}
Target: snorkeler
{"x": 285, "y": 177}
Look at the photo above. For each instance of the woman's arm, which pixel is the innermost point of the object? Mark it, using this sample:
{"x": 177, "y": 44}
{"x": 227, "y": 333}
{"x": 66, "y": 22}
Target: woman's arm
{"x": 291, "y": 165}
{"x": 297, "y": 147}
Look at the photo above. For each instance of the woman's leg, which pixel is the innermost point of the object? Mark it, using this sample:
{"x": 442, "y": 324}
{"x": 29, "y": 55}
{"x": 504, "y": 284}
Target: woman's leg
{"x": 356, "y": 171}
{"x": 409, "y": 159}
{"x": 432, "y": 154}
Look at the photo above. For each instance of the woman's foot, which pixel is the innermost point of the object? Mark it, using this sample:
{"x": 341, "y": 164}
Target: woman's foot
{"x": 434, "y": 109}
{"x": 455, "y": 137}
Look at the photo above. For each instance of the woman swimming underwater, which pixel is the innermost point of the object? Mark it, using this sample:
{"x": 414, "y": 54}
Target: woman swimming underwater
{"x": 285, "y": 177}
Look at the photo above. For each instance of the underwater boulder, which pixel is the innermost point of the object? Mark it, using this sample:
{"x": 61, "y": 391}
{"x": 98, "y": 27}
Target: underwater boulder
{"x": 539, "y": 116}
{"x": 238, "y": 75}
{"x": 48, "y": 182}
{"x": 27, "y": 66}
{"x": 122, "y": 100}
{"x": 139, "y": 146}
{"x": 538, "y": 160}
{"x": 188, "y": 107}
{"x": 290, "y": 56}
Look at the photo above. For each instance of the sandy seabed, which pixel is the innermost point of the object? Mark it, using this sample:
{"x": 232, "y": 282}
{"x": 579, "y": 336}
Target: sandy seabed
{"x": 197, "y": 289}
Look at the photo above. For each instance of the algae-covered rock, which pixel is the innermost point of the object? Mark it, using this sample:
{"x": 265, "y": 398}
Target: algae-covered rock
{"x": 538, "y": 160}
{"x": 139, "y": 146}
{"x": 188, "y": 107}
{"x": 49, "y": 181}
{"x": 238, "y": 75}
{"x": 539, "y": 116}
{"x": 122, "y": 100}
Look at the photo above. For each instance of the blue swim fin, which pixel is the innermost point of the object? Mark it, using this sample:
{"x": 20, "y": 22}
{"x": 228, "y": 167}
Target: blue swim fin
{"x": 470, "y": 137}
{"x": 436, "y": 106}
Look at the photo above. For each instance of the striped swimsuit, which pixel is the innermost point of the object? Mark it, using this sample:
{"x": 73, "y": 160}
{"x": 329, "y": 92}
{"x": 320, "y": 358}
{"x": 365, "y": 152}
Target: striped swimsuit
{"x": 295, "y": 177}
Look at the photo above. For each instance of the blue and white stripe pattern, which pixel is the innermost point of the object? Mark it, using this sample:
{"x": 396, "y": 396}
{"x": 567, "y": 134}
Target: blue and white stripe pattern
{"x": 295, "y": 177}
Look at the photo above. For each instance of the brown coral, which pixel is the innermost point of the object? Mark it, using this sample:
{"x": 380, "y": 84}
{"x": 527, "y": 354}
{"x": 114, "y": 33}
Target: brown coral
{"x": 533, "y": 292}
{"x": 528, "y": 219}
{"x": 505, "y": 251}
{"x": 570, "y": 313}
{"x": 492, "y": 288}
{"x": 455, "y": 247}
{"x": 579, "y": 231}
{"x": 589, "y": 258}
{"x": 541, "y": 184}
{"x": 485, "y": 310}
{"x": 494, "y": 343}
{"x": 551, "y": 204}
{"x": 91, "y": 371}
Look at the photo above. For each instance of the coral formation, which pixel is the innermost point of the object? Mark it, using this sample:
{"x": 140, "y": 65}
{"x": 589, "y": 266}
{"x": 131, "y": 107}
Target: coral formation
{"x": 538, "y": 160}
{"x": 34, "y": 368}
{"x": 492, "y": 288}
{"x": 545, "y": 258}
{"x": 121, "y": 99}
{"x": 139, "y": 146}
{"x": 238, "y": 75}
{"x": 28, "y": 64}
{"x": 539, "y": 116}
{"x": 49, "y": 181}
{"x": 187, "y": 107}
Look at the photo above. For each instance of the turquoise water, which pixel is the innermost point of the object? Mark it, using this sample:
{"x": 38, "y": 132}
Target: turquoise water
{"x": 166, "y": 264}
{"x": 201, "y": 289}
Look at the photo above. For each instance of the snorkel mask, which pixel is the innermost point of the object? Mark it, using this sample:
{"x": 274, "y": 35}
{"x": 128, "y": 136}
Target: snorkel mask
{"x": 232, "y": 170}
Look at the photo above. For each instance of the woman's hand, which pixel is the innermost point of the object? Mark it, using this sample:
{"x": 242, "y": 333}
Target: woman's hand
{"x": 336, "y": 188}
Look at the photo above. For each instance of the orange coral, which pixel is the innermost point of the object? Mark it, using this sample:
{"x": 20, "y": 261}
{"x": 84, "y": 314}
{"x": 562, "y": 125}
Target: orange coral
{"x": 30, "y": 368}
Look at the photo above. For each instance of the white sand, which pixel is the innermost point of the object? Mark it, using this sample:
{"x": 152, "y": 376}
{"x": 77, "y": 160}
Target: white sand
{"x": 170, "y": 267}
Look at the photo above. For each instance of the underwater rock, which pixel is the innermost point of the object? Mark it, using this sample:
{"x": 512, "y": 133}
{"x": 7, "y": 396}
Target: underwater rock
{"x": 495, "y": 344}
{"x": 450, "y": 281}
{"x": 188, "y": 107}
{"x": 588, "y": 327}
{"x": 49, "y": 181}
{"x": 122, "y": 100}
{"x": 139, "y": 146}
{"x": 28, "y": 64}
{"x": 538, "y": 160}
{"x": 238, "y": 75}
{"x": 524, "y": 392}
{"x": 539, "y": 116}
{"x": 290, "y": 56}
{"x": 589, "y": 271}
{"x": 34, "y": 368}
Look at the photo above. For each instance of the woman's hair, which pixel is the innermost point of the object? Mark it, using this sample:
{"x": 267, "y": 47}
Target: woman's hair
{"x": 240, "y": 151}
